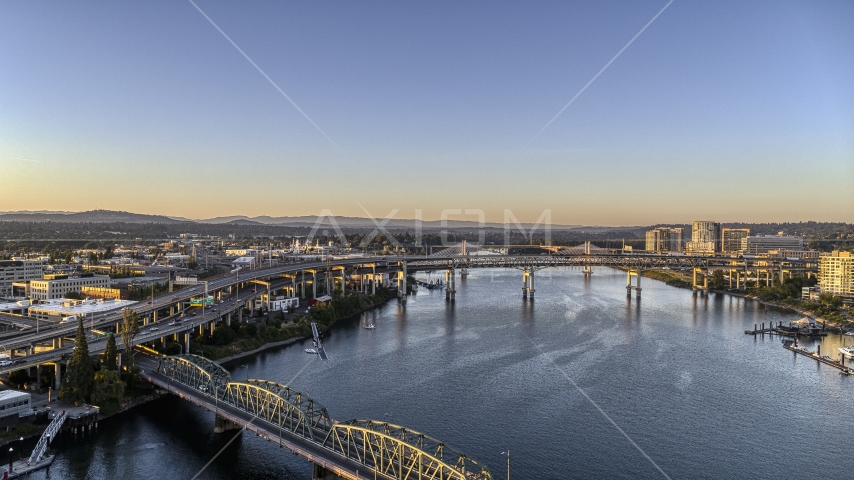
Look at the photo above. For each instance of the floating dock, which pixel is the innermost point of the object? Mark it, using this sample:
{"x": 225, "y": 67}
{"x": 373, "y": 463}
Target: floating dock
{"x": 839, "y": 364}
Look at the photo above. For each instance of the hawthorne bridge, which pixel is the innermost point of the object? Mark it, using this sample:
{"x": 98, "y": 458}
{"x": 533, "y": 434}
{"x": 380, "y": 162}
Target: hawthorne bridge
{"x": 354, "y": 449}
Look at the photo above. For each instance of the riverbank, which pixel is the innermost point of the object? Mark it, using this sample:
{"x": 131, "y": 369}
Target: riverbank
{"x": 680, "y": 280}
{"x": 30, "y": 430}
{"x": 295, "y": 332}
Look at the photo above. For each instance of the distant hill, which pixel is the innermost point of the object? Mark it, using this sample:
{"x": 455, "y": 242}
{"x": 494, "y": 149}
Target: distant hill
{"x": 94, "y": 216}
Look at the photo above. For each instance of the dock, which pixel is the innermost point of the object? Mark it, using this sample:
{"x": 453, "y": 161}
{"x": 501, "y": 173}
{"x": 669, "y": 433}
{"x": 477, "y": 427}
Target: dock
{"x": 838, "y": 364}
{"x": 21, "y": 467}
{"x": 779, "y": 329}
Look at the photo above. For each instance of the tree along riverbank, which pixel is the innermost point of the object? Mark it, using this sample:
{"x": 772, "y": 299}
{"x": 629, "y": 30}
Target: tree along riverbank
{"x": 784, "y": 295}
{"x": 239, "y": 340}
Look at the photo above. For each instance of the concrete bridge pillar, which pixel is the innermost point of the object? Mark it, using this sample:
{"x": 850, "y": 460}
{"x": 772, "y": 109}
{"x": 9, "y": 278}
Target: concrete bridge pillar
{"x": 373, "y": 279}
{"x": 187, "y": 341}
{"x": 223, "y": 425}
{"x": 525, "y": 282}
{"x": 531, "y": 284}
{"x": 587, "y": 271}
{"x": 228, "y": 320}
{"x": 58, "y": 378}
{"x": 313, "y": 284}
{"x": 38, "y": 378}
{"x": 320, "y": 473}
{"x": 405, "y": 281}
{"x": 637, "y": 288}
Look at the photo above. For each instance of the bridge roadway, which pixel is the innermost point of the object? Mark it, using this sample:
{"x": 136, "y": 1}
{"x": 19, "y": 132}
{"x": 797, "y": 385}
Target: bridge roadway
{"x": 413, "y": 263}
{"x": 266, "y": 430}
{"x": 97, "y": 346}
{"x": 416, "y": 263}
{"x": 356, "y": 449}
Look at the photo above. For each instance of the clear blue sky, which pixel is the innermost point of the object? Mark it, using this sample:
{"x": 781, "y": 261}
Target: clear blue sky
{"x": 734, "y": 111}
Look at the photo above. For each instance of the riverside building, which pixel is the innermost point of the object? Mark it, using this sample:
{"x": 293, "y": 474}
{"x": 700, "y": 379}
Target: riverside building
{"x": 766, "y": 243}
{"x": 664, "y": 240}
{"x": 705, "y": 238}
{"x": 836, "y": 274}
{"x": 731, "y": 239}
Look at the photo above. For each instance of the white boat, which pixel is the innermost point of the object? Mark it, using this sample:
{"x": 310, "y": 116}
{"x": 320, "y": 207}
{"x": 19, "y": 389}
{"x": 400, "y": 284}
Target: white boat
{"x": 370, "y": 327}
{"x": 847, "y": 351}
{"x": 849, "y": 334}
{"x": 311, "y": 351}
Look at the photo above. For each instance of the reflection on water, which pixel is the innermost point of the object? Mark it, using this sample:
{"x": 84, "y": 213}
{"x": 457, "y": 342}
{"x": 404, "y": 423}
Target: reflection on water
{"x": 485, "y": 373}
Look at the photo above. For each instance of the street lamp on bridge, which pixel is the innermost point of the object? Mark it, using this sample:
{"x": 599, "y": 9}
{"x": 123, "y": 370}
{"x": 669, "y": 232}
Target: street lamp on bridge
{"x": 507, "y": 453}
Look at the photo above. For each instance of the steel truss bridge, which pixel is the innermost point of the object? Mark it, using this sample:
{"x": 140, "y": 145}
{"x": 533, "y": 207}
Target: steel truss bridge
{"x": 293, "y": 420}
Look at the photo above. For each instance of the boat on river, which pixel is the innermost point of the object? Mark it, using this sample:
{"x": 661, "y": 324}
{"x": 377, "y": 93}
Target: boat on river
{"x": 311, "y": 351}
{"x": 847, "y": 351}
{"x": 370, "y": 327}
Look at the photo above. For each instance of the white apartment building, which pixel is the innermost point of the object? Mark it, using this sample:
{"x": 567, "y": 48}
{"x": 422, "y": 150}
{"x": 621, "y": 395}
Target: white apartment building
{"x": 18, "y": 270}
{"x": 56, "y": 286}
{"x": 836, "y": 274}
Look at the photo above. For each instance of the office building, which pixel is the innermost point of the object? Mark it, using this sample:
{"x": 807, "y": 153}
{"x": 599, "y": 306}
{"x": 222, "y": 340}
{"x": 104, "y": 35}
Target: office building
{"x": 765, "y": 243}
{"x": 18, "y": 270}
{"x": 705, "y": 238}
{"x": 731, "y": 239}
{"x": 836, "y": 274}
{"x": 56, "y": 286}
{"x": 664, "y": 240}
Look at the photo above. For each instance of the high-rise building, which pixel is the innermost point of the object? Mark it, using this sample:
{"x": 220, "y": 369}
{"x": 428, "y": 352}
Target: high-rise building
{"x": 766, "y": 243}
{"x": 836, "y": 274}
{"x": 18, "y": 270}
{"x": 705, "y": 238}
{"x": 664, "y": 240}
{"x": 731, "y": 239}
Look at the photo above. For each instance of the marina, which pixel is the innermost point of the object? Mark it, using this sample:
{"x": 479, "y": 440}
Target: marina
{"x": 792, "y": 345}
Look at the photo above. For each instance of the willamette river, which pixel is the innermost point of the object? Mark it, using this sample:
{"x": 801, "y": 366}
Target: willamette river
{"x": 581, "y": 383}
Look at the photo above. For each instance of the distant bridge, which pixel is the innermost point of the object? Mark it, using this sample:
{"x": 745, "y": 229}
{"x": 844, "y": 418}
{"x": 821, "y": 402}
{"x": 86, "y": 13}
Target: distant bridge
{"x": 356, "y": 449}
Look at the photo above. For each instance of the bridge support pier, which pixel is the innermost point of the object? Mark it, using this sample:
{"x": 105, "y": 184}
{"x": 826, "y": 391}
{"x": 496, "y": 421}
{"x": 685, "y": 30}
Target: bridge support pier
{"x": 629, "y": 287}
{"x": 450, "y": 285}
{"x": 531, "y": 284}
{"x": 320, "y": 473}
{"x": 525, "y": 282}
{"x": 587, "y": 271}
{"x": 222, "y": 425}
{"x": 58, "y": 377}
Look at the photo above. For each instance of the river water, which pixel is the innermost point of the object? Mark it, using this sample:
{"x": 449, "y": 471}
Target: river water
{"x": 580, "y": 383}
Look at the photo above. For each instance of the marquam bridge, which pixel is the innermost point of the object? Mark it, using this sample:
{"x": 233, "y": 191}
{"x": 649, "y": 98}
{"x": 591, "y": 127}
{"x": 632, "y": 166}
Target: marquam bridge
{"x": 271, "y": 410}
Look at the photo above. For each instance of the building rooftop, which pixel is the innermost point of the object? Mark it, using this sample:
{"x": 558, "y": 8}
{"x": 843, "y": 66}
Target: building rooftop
{"x": 82, "y": 307}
